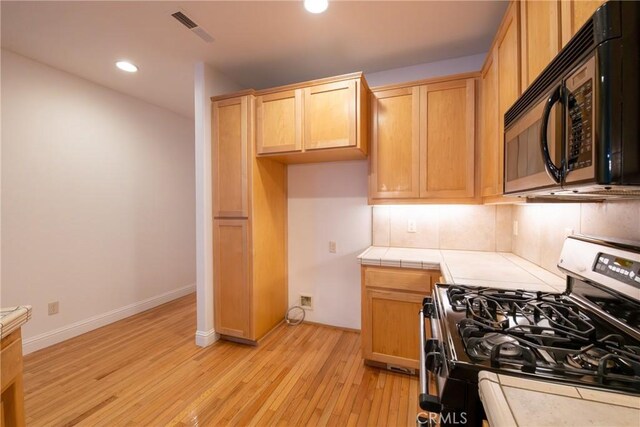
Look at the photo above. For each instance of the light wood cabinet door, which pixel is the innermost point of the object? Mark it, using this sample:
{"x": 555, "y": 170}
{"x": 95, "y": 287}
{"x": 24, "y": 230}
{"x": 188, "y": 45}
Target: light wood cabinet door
{"x": 231, "y": 280}
{"x": 509, "y": 86}
{"x": 392, "y": 331}
{"x": 541, "y": 42}
{"x": 447, "y": 134}
{"x": 490, "y": 138}
{"x": 330, "y": 115}
{"x": 230, "y": 136}
{"x": 395, "y": 147}
{"x": 574, "y": 14}
{"x": 279, "y": 122}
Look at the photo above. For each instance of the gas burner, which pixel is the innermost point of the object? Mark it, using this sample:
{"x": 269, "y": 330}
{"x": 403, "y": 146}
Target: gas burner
{"x": 590, "y": 359}
{"x": 508, "y": 346}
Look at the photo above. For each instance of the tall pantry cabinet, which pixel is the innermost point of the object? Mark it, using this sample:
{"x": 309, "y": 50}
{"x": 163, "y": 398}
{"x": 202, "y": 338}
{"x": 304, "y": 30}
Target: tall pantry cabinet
{"x": 249, "y": 224}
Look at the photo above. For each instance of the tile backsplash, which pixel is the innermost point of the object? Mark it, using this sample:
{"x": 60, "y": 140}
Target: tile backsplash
{"x": 465, "y": 227}
{"x": 542, "y": 228}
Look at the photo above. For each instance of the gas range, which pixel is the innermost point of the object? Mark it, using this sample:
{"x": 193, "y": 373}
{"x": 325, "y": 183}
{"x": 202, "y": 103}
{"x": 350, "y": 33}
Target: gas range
{"x": 588, "y": 335}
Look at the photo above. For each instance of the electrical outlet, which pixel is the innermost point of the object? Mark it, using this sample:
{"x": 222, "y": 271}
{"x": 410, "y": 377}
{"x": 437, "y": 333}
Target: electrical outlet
{"x": 54, "y": 308}
{"x": 306, "y": 302}
{"x": 515, "y": 228}
{"x": 332, "y": 247}
{"x": 411, "y": 226}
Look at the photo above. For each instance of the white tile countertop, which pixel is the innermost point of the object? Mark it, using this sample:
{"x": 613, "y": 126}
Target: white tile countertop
{"x": 11, "y": 318}
{"x": 495, "y": 269}
{"x": 512, "y": 401}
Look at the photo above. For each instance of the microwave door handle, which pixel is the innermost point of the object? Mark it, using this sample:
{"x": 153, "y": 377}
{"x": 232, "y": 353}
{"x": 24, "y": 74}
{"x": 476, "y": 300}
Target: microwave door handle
{"x": 553, "y": 171}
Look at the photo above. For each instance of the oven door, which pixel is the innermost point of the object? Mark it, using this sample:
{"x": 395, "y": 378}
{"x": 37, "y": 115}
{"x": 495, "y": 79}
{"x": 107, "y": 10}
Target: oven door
{"x": 524, "y": 168}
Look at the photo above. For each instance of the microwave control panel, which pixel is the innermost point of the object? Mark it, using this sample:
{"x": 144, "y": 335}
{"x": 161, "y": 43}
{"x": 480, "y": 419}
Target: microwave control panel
{"x": 580, "y": 108}
{"x": 621, "y": 269}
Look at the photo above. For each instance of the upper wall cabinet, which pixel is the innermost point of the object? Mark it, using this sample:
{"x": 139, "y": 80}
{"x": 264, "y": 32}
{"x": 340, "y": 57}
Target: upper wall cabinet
{"x": 321, "y": 120}
{"x": 500, "y": 88}
{"x": 395, "y": 148}
{"x": 541, "y": 40}
{"x": 423, "y": 143}
{"x": 447, "y": 139}
{"x": 279, "y": 122}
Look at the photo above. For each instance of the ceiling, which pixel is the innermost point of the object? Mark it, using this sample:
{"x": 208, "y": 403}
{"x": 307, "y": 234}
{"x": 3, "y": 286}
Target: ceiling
{"x": 258, "y": 44}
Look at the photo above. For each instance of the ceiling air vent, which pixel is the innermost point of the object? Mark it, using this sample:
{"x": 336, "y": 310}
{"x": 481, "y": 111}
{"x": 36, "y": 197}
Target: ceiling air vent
{"x": 188, "y": 22}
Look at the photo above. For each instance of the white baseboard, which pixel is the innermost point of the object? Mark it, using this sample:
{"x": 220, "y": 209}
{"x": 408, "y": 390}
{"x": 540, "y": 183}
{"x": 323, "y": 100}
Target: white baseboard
{"x": 55, "y": 336}
{"x": 206, "y": 338}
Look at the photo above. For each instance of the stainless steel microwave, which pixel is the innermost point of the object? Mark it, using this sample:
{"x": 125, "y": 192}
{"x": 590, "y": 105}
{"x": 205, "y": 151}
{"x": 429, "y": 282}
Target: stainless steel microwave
{"x": 575, "y": 131}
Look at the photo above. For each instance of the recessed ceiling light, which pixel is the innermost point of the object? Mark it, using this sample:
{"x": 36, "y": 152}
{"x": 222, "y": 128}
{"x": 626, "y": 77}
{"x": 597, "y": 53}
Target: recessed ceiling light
{"x": 126, "y": 66}
{"x": 316, "y": 6}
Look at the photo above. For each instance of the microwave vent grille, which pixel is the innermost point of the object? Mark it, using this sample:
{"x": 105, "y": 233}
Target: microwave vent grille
{"x": 623, "y": 193}
{"x": 581, "y": 43}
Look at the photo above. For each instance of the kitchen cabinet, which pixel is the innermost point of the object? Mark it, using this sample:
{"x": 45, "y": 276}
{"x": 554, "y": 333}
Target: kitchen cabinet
{"x": 279, "y": 122}
{"x": 249, "y": 225}
{"x": 423, "y": 144}
{"x": 320, "y": 120}
{"x": 447, "y": 139}
{"x": 395, "y": 148}
{"x": 500, "y": 88}
{"x": 541, "y": 40}
{"x": 574, "y": 14}
{"x": 391, "y": 300}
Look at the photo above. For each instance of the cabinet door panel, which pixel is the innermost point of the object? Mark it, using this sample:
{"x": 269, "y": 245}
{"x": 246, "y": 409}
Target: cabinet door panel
{"x": 279, "y": 122}
{"x": 541, "y": 36}
{"x": 447, "y": 139}
{"x": 574, "y": 14}
{"x": 392, "y": 330}
{"x": 229, "y": 145}
{"x": 231, "y": 278}
{"x": 508, "y": 78}
{"x": 330, "y": 115}
{"x": 489, "y": 122}
{"x": 395, "y": 144}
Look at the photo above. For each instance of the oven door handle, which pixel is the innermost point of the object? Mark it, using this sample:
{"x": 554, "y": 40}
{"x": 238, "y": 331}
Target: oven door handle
{"x": 426, "y": 401}
{"x": 556, "y": 173}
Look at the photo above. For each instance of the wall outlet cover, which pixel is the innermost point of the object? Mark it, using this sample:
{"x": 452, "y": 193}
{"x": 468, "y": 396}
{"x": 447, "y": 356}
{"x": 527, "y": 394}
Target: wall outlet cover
{"x": 306, "y": 301}
{"x": 54, "y": 307}
{"x": 332, "y": 247}
{"x": 515, "y": 228}
{"x": 411, "y": 226}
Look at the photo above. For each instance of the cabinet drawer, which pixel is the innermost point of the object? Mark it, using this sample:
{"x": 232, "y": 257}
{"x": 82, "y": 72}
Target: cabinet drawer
{"x": 400, "y": 278}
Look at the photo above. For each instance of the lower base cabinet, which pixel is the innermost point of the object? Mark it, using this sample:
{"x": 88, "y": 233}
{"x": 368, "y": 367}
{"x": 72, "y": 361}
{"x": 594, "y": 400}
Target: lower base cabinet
{"x": 391, "y": 300}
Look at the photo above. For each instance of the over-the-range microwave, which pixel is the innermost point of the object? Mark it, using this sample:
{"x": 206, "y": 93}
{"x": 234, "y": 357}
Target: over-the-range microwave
{"x": 575, "y": 131}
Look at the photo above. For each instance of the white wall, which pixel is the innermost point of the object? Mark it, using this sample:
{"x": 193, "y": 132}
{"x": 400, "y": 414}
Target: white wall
{"x": 97, "y": 201}
{"x": 328, "y": 202}
{"x": 542, "y": 228}
{"x": 427, "y": 70}
{"x": 208, "y": 82}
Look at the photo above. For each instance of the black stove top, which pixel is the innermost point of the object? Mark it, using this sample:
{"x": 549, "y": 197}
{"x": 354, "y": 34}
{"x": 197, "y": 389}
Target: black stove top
{"x": 540, "y": 333}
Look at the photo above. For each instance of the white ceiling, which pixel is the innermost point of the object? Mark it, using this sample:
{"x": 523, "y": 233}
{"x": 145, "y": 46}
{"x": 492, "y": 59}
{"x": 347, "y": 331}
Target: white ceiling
{"x": 257, "y": 43}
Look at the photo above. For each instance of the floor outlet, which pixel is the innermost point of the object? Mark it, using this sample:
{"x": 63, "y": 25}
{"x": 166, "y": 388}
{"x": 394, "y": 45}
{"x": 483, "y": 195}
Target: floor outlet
{"x": 54, "y": 307}
{"x": 306, "y": 302}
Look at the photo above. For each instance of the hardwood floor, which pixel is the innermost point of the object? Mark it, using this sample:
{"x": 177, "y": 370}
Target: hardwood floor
{"x": 146, "y": 370}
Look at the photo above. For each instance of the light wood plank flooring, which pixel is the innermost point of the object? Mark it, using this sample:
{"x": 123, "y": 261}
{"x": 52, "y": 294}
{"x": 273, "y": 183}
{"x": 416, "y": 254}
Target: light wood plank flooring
{"x": 146, "y": 370}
